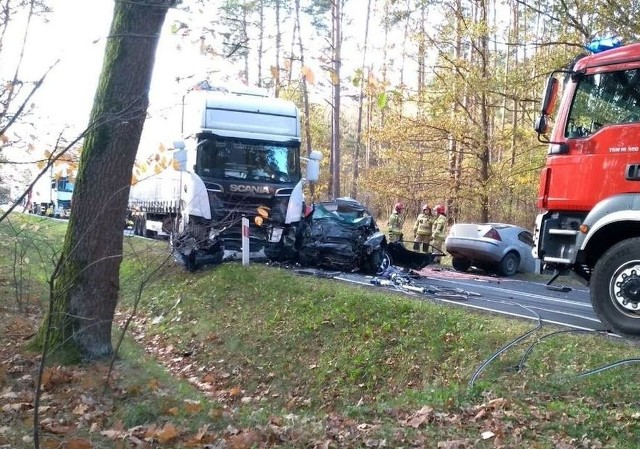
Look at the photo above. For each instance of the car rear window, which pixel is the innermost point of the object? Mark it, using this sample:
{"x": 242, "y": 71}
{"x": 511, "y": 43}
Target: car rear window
{"x": 526, "y": 237}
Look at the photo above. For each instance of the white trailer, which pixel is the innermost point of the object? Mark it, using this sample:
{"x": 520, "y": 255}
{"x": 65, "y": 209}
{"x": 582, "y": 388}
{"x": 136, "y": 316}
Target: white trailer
{"x": 157, "y": 201}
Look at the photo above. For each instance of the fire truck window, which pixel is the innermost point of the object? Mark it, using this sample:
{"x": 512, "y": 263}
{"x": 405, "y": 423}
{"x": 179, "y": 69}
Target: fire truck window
{"x": 604, "y": 99}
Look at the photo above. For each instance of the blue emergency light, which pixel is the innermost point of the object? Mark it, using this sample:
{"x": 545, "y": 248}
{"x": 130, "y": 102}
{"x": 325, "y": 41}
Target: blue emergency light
{"x": 604, "y": 43}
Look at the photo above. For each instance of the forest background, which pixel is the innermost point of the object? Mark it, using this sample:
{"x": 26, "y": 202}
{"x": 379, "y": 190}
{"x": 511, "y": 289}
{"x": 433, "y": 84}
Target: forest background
{"x": 408, "y": 100}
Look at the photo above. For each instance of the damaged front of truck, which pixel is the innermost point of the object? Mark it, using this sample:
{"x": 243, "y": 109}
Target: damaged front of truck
{"x": 248, "y": 158}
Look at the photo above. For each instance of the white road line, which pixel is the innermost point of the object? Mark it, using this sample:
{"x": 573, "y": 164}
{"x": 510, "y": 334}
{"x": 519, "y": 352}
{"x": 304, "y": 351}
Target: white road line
{"x": 465, "y": 303}
{"x": 530, "y": 295}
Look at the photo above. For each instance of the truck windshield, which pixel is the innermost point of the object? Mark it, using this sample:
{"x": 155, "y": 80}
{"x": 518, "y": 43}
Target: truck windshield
{"x": 604, "y": 99}
{"x": 62, "y": 185}
{"x": 248, "y": 160}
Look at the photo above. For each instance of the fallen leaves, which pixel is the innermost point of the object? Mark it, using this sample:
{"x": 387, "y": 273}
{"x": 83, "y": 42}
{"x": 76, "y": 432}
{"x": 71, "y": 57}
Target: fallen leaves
{"x": 422, "y": 416}
{"x": 51, "y": 377}
{"x": 167, "y": 434}
{"x": 78, "y": 443}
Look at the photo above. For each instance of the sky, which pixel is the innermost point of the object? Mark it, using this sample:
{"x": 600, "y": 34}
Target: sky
{"x": 75, "y": 33}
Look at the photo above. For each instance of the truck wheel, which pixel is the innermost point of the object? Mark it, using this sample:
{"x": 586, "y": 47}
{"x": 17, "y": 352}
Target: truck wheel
{"x": 509, "y": 264}
{"x": 460, "y": 264}
{"x": 138, "y": 228}
{"x": 274, "y": 252}
{"x": 615, "y": 288}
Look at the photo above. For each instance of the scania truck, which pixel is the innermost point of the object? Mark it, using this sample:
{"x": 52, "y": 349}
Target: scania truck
{"x": 245, "y": 162}
{"x": 589, "y": 189}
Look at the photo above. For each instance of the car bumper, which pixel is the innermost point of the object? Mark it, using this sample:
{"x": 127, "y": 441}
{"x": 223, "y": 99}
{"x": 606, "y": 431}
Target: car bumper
{"x": 474, "y": 249}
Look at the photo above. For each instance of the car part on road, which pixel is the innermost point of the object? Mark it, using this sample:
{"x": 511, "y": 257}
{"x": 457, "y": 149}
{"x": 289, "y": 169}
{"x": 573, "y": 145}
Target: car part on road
{"x": 405, "y": 282}
{"x": 414, "y": 260}
{"x": 556, "y": 288}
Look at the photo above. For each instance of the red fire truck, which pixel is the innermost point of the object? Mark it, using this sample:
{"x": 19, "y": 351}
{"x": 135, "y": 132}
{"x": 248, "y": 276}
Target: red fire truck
{"x": 589, "y": 192}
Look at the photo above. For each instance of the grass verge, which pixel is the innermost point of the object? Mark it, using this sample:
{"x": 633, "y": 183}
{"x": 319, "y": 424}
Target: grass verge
{"x": 261, "y": 357}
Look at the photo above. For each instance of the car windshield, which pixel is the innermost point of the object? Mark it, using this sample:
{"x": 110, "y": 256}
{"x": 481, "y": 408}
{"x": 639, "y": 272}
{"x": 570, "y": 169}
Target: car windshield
{"x": 345, "y": 214}
{"x": 248, "y": 160}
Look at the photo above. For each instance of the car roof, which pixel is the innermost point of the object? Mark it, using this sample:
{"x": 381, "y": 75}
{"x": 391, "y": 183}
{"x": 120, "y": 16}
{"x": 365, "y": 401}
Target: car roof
{"x": 495, "y": 225}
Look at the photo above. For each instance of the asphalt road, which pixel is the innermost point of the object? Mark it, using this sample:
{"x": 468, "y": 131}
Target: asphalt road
{"x": 506, "y": 296}
{"x": 517, "y": 298}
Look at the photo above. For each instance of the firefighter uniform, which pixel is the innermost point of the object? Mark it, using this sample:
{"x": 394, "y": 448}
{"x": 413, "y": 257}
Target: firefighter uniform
{"x": 438, "y": 231}
{"x": 396, "y": 221}
{"x": 422, "y": 230}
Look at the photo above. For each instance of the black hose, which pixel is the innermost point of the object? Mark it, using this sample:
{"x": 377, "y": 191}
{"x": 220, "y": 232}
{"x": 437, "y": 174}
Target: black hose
{"x": 484, "y": 364}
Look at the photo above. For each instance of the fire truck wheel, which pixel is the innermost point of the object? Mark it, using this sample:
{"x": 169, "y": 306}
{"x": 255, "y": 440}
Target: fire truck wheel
{"x": 615, "y": 288}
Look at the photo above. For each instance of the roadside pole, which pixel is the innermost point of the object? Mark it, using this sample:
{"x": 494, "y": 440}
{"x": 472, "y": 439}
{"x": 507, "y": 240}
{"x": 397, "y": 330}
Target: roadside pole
{"x": 245, "y": 241}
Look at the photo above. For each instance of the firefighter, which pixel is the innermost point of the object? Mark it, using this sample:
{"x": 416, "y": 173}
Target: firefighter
{"x": 438, "y": 230}
{"x": 396, "y": 221}
{"x": 422, "y": 229}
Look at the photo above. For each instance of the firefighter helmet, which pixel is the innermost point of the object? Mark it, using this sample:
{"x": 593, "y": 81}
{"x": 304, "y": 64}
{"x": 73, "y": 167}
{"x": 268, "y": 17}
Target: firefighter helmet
{"x": 399, "y": 207}
{"x": 439, "y": 209}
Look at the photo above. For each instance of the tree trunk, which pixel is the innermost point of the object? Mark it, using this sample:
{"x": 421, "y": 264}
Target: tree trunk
{"x": 356, "y": 156}
{"x": 276, "y": 81}
{"x": 337, "y": 62}
{"x": 86, "y": 290}
{"x": 485, "y": 131}
{"x": 260, "y": 41}
{"x": 306, "y": 121}
{"x": 455, "y": 152}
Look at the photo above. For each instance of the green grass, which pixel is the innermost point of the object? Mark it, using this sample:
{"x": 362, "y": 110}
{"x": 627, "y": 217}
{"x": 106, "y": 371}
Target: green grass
{"x": 324, "y": 347}
{"x": 351, "y": 366}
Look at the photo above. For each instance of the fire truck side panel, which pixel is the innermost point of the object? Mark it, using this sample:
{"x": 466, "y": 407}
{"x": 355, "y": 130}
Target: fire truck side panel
{"x": 599, "y": 164}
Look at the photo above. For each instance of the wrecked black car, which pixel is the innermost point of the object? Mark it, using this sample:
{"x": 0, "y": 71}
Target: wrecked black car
{"x": 342, "y": 235}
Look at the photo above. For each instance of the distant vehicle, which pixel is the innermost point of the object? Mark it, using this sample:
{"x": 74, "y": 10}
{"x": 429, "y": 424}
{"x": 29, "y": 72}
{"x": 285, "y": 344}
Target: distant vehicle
{"x": 500, "y": 247}
{"x": 52, "y": 196}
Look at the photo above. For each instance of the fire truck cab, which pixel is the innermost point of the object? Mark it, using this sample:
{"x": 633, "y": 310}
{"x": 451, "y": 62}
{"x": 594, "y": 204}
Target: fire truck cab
{"x": 589, "y": 191}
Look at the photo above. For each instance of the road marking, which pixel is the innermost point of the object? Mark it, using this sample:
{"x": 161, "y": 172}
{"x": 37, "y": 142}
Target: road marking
{"x": 530, "y": 295}
{"x": 465, "y": 303}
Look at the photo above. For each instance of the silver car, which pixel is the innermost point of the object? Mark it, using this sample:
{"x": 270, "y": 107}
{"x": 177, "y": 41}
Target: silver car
{"x": 500, "y": 247}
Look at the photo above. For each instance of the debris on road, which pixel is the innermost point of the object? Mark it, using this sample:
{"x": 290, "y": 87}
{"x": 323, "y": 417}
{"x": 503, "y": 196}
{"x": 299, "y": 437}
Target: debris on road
{"x": 407, "y": 281}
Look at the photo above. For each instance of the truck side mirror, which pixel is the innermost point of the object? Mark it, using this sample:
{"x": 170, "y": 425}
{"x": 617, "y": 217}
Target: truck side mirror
{"x": 179, "y": 162}
{"x": 541, "y": 125}
{"x": 550, "y": 96}
{"x": 313, "y": 166}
